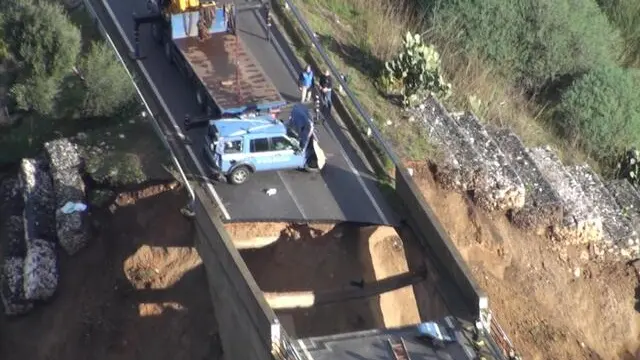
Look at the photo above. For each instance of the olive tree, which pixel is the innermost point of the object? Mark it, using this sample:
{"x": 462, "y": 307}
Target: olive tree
{"x": 45, "y": 45}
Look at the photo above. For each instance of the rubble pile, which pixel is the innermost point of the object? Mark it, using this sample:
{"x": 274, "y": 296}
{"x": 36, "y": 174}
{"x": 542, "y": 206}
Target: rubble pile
{"x": 627, "y": 197}
{"x": 501, "y": 189}
{"x": 65, "y": 163}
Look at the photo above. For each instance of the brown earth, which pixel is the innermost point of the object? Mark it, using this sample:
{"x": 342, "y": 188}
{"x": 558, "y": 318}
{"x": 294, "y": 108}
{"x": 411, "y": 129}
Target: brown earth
{"x": 137, "y": 292}
{"x": 325, "y": 257}
{"x": 552, "y": 304}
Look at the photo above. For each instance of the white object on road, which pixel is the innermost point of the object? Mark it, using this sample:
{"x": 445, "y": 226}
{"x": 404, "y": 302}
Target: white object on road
{"x": 271, "y": 191}
{"x": 70, "y": 207}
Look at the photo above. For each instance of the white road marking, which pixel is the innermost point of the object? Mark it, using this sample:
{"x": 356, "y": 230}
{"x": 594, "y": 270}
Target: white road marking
{"x": 304, "y": 349}
{"x": 208, "y": 186}
{"x": 342, "y": 151}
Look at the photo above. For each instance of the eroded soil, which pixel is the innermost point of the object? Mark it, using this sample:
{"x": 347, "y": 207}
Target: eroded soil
{"x": 553, "y": 305}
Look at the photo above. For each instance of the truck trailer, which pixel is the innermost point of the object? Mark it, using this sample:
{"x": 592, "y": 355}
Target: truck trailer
{"x": 200, "y": 37}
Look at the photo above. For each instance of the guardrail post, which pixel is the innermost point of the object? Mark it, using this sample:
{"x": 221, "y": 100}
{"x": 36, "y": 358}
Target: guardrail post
{"x": 317, "y": 107}
{"x": 267, "y": 10}
{"x": 187, "y": 121}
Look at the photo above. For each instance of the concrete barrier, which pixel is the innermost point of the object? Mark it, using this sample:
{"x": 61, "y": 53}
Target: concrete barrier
{"x": 430, "y": 233}
{"x": 239, "y": 305}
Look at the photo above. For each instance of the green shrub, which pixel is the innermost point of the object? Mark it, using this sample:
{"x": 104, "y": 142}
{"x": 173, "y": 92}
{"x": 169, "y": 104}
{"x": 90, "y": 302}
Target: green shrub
{"x": 625, "y": 15}
{"x": 531, "y": 42}
{"x": 601, "y": 112}
{"x": 108, "y": 88}
{"x": 116, "y": 168}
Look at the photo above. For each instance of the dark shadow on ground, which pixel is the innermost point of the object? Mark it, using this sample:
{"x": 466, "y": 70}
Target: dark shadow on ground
{"x": 353, "y": 56}
{"x": 102, "y": 309}
{"x": 318, "y": 262}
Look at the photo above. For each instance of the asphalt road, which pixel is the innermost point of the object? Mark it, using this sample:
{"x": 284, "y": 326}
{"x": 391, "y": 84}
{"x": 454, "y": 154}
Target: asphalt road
{"x": 345, "y": 190}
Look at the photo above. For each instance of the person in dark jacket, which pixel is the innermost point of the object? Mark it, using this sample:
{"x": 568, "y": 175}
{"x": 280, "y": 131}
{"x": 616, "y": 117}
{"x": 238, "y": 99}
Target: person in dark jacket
{"x": 306, "y": 84}
{"x": 326, "y": 85}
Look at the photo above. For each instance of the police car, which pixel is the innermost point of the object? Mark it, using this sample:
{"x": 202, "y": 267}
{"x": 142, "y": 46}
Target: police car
{"x": 239, "y": 147}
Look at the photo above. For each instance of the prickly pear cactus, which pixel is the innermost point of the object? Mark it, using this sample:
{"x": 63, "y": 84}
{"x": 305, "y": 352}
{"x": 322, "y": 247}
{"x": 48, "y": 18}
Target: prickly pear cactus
{"x": 415, "y": 72}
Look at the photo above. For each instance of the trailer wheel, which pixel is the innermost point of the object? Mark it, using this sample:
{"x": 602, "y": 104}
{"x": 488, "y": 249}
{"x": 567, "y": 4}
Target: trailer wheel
{"x": 156, "y": 32}
{"x": 167, "y": 51}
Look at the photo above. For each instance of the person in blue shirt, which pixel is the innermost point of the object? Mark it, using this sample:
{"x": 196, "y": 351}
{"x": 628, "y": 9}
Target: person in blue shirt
{"x": 306, "y": 84}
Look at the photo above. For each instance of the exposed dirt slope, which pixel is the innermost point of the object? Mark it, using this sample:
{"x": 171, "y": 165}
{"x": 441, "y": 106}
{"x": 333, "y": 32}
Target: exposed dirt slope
{"x": 553, "y": 305}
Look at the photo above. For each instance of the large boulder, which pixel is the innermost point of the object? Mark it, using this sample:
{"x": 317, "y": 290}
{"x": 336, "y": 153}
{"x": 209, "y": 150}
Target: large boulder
{"x": 459, "y": 166}
{"x": 66, "y": 164}
{"x": 582, "y": 222}
{"x": 620, "y": 238}
{"x": 542, "y": 205}
{"x": 13, "y": 235}
{"x": 501, "y": 189}
{"x": 62, "y": 155}
{"x": 40, "y": 270}
{"x": 11, "y": 287}
{"x": 39, "y": 201}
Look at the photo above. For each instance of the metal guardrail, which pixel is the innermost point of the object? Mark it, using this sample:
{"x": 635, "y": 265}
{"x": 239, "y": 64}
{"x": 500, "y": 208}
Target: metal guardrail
{"x": 337, "y": 76}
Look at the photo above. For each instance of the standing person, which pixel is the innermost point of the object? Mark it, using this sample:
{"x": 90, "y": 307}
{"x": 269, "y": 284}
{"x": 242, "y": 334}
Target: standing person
{"x": 325, "y": 86}
{"x": 306, "y": 84}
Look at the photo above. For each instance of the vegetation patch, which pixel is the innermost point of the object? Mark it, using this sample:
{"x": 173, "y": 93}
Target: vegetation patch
{"x": 61, "y": 80}
{"x": 513, "y": 73}
{"x": 600, "y": 112}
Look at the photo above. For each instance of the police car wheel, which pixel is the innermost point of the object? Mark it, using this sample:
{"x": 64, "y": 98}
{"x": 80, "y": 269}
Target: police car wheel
{"x": 239, "y": 175}
{"x": 311, "y": 166}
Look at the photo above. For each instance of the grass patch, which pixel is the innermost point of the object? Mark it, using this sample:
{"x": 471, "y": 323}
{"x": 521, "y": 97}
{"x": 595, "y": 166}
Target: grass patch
{"x": 370, "y": 32}
{"x": 352, "y": 35}
{"x": 127, "y": 153}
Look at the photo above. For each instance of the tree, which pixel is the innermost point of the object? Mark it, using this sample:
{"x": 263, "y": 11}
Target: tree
{"x": 45, "y": 45}
{"x": 108, "y": 88}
